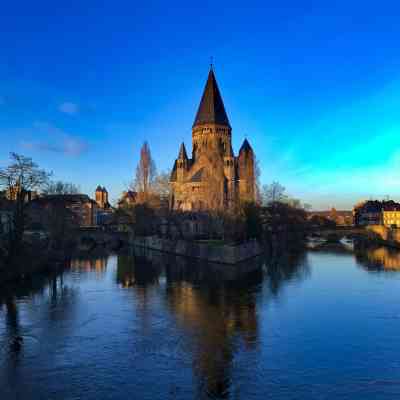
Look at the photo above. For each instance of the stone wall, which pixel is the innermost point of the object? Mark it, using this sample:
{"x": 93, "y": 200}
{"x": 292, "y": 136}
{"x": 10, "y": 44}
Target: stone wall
{"x": 225, "y": 254}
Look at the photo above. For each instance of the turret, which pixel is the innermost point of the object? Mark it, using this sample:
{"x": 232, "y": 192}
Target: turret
{"x": 101, "y": 196}
{"x": 246, "y": 172}
{"x": 182, "y": 163}
{"x": 229, "y": 172}
{"x": 105, "y": 196}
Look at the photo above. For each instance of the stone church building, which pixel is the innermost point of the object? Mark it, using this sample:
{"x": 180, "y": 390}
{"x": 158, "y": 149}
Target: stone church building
{"x": 213, "y": 178}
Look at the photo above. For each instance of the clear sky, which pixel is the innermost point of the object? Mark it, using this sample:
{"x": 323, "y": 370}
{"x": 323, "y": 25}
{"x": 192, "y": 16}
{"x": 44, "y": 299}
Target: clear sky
{"x": 314, "y": 85}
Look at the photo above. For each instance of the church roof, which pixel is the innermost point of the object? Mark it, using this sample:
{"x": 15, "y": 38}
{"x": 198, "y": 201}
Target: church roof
{"x": 245, "y": 146}
{"x": 197, "y": 177}
{"x": 182, "y": 152}
{"x": 211, "y": 108}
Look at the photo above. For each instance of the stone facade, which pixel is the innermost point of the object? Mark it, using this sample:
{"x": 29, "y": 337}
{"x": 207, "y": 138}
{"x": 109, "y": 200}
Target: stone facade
{"x": 213, "y": 178}
{"x": 101, "y": 196}
{"x": 224, "y": 254}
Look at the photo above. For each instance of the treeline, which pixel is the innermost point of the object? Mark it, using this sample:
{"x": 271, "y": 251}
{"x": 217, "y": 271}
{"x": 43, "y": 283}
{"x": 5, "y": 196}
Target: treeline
{"x": 20, "y": 183}
{"x": 273, "y": 214}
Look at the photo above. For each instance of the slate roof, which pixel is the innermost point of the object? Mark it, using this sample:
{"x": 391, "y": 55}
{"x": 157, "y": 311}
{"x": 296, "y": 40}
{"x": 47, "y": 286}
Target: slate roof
{"x": 245, "y": 146}
{"x": 182, "y": 152}
{"x": 211, "y": 108}
{"x": 197, "y": 177}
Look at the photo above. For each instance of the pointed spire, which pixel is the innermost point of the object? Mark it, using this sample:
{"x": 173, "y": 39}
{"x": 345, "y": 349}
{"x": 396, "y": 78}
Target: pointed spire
{"x": 211, "y": 108}
{"x": 245, "y": 146}
{"x": 182, "y": 152}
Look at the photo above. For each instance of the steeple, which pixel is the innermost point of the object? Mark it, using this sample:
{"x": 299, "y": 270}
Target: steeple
{"x": 211, "y": 109}
{"x": 182, "y": 152}
{"x": 245, "y": 147}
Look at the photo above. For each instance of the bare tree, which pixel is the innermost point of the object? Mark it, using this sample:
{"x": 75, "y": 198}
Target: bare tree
{"x": 162, "y": 186}
{"x": 145, "y": 171}
{"x": 257, "y": 176}
{"x": 59, "y": 187}
{"x": 274, "y": 192}
{"x": 18, "y": 179}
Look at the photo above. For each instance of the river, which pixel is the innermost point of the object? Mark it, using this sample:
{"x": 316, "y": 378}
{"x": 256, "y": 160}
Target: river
{"x": 317, "y": 324}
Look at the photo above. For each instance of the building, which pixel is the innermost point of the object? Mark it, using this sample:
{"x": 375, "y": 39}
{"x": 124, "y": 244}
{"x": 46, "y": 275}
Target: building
{"x": 82, "y": 209}
{"x": 101, "y": 196}
{"x": 368, "y": 213}
{"x": 213, "y": 178}
{"x": 128, "y": 199}
{"x": 391, "y": 215}
{"x": 13, "y": 192}
{"x": 105, "y": 210}
{"x": 340, "y": 217}
{"x": 375, "y": 212}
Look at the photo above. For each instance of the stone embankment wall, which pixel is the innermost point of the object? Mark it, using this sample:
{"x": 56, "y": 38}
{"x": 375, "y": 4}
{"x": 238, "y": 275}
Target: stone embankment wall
{"x": 225, "y": 254}
{"x": 389, "y": 236}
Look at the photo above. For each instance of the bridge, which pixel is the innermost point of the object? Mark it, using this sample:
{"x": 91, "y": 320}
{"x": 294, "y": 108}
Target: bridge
{"x": 96, "y": 236}
{"x": 339, "y": 233}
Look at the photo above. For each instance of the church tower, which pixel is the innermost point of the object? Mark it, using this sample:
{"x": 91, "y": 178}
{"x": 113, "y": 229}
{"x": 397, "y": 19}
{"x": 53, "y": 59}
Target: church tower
{"x": 101, "y": 195}
{"x": 213, "y": 178}
{"x": 211, "y": 130}
{"x": 182, "y": 163}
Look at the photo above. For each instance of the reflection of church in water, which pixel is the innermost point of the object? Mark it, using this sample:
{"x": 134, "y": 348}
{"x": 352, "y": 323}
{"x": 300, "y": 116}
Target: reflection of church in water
{"x": 215, "y": 314}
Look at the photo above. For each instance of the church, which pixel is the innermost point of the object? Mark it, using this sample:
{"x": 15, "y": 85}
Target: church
{"x": 213, "y": 178}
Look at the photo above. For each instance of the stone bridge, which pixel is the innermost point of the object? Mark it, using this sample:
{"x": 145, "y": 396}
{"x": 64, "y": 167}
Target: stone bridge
{"x": 339, "y": 233}
{"x": 98, "y": 236}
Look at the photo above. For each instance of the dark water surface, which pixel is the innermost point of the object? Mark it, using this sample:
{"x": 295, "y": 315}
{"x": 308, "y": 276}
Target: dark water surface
{"x": 315, "y": 325}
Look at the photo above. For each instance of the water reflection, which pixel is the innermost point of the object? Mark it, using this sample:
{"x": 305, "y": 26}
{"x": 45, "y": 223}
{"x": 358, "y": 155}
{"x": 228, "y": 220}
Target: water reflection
{"x": 136, "y": 271}
{"x": 286, "y": 267}
{"x": 56, "y": 304}
{"x": 217, "y": 311}
{"x": 98, "y": 264}
{"x": 197, "y": 325}
{"x": 368, "y": 256}
{"x": 218, "y": 319}
{"x": 378, "y": 258}
{"x": 214, "y": 304}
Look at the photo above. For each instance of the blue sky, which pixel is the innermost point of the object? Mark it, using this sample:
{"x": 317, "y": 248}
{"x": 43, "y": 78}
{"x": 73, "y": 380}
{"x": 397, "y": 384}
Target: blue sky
{"x": 314, "y": 87}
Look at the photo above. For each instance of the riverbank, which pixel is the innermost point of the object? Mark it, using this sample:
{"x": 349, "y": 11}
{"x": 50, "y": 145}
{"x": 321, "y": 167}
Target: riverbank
{"x": 35, "y": 260}
{"x": 212, "y": 251}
